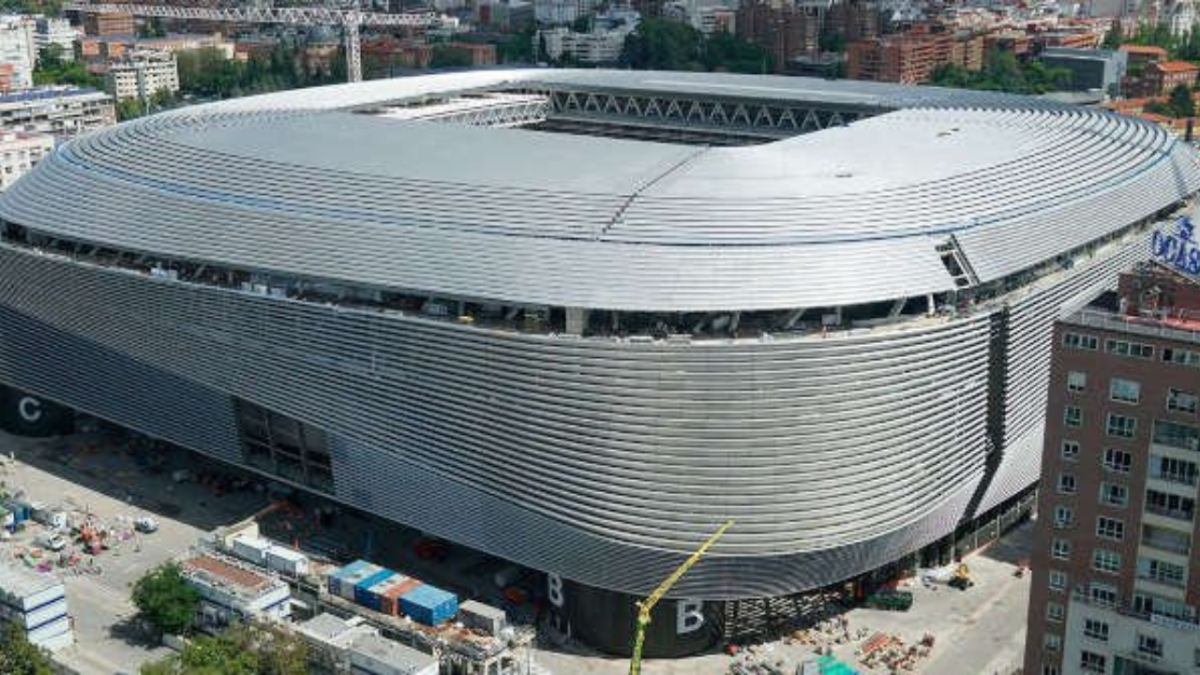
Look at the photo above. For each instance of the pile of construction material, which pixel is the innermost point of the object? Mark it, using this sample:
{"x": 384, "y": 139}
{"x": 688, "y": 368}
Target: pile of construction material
{"x": 890, "y": 652}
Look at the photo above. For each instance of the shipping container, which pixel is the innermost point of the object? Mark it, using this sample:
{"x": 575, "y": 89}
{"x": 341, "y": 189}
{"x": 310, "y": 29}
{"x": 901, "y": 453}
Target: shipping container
{"x": 287, "y": 561}
{"x": 362, "y": 590}
{"x": 389, "y": 603}
{"x": 376, "y": 593}
{"x": 251, "y": 549}
{"x": 343, "y": 580}
{"x": 429, "y": 605}
{"x": 486, "y": 618}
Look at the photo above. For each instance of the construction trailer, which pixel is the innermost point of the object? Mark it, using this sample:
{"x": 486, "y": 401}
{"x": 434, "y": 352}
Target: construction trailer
{"x": 38, "y": 604}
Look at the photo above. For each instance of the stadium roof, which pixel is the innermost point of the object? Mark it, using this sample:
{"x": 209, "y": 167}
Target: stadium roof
{"x": 297, "y": 183}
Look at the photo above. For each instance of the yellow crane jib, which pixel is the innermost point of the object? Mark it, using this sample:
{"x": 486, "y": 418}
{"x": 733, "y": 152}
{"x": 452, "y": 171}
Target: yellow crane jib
{"x": 645, "y": 606}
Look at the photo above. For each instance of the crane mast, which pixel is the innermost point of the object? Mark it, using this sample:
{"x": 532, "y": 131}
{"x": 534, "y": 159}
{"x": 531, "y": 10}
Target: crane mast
{"x": 350, "y": 20}
{"x": 646, "y": 605}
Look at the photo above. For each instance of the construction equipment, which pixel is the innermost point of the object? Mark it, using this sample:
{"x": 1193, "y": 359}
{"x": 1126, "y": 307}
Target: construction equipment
{"x": 351, "y": 20}
{"x": 645, "y": 606}
{"x": 962, "y": 579}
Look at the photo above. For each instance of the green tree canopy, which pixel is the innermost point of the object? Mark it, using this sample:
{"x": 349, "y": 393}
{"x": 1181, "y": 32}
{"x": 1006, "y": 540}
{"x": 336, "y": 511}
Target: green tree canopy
{"x": 1002, "y": 71}
{"x": 18, "y": 656}
{"x": 445, "y": 56}
{"x": 53, "y": 68}
{"x": 166, "y": 600}
{"x": 257, "y": 649}
{"x": 1181, "y": 103}
{"x": 661, "y": 44}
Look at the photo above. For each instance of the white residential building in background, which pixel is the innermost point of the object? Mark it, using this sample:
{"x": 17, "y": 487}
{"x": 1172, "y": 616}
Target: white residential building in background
{"x": 603, "y": 44}
{"x": 17, "y": 48}
{"x": 20, "y": 151}
{"x": 142, "y": 74}
{"x": 50, "y": 30}
{"x": 63, "y": 112}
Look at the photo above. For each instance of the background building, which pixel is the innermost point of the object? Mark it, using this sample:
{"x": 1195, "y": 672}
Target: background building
{"x": 17, "y": 48}
{"x": 55, "y": 31}
{"x": 20, "y": 151}
{"x": 62, "y": 112}
{"x": 1098, "y": 69}
{"x": 142, "y": 74}
{"x": 1114, "y": 559}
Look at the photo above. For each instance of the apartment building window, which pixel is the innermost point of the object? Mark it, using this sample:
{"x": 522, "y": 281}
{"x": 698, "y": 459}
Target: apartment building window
{"x": 1166, "y": 539}
{"x": 1117, "y": 461}
{"x": 1057, "y": 580}
{"x": 1170, "y": 505}
{"x": 1112, "y": 494}
{"x": 1066, "y": 483}
{"x": 1181, "y": 401}
{"x": 1060, "y": 549}
{"x": 1064, "y": 516}
{"x": 1121, "y": 425}
{"x": 1173, "y": 470}
{"x": 1162, "y": 572}
{"x": 1144, "y": 603}
{"x": 1076, "y": 380}
{"x": 1096, "y": 630}
{"x": 1102, "y": 594}
{"x": 1106, "y": 561}
{"x": 1048, "y": 669}
{"x": 1092, "y": 663}
{"x": 1150, "y": 645}
{"x": 1176, "y": 435}
{"x": 1069, "y": 451}
{"x": 1183, "y": 357}
{"x": 1124, "y": 391}
{"x": 1052, "y": 642}
{"x": 1073, "y": 416}
{"x": 1110, "y": 528}
{"x": 1080, "y": 341}
{"x": 1055, "y": 612}
{"x": 1127, "y": 348}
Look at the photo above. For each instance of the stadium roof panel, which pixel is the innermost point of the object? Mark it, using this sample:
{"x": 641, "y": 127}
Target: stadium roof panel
{"x": 292, "y": 183}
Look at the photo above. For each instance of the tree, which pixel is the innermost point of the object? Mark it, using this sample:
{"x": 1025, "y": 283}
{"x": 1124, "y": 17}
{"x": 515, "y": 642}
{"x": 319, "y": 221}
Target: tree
{"x": 445, "y": 56}
{"x": 1114, "y": 37}
{"x": 243, "y": 649}
{"x": 166, "y": 600}
{"x": 20, "y": 657}
{"x": 129, "y": 108}
{"x": 1002, "y": 71}
{"x": 1180, "y": 102}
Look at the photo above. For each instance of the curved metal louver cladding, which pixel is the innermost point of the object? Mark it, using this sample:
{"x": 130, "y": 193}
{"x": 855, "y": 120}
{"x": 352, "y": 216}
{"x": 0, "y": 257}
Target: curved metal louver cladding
{"x": 817, "y": 447}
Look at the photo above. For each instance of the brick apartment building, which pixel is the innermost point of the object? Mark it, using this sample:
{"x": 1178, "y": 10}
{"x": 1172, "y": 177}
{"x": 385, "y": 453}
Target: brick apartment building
{"x": 912, "y": 56}
{"x": 1114, "y": 575}
{"x": 786, "y": 30}
{"x": 1160, "y": 77}
{"x": 108, "y": 23}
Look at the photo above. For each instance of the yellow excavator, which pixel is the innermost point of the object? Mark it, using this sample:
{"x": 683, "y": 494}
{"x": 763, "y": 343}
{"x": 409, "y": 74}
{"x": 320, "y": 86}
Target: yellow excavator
{"x": 645, "y": 606}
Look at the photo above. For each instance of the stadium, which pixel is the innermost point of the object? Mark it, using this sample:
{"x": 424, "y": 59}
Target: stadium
{"x": 577, "y": 319}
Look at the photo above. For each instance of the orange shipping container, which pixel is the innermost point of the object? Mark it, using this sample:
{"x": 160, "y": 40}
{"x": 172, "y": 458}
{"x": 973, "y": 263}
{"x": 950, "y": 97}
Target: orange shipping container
{"x": 389, "y": 602}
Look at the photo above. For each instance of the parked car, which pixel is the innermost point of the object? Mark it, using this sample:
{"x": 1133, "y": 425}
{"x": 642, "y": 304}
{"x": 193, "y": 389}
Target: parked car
{"x": 145, "y": 524}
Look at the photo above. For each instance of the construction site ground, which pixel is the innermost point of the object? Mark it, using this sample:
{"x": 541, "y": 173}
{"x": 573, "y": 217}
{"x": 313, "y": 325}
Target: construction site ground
{"x": 82, "y": 473}
{"x": 980, "y": 631}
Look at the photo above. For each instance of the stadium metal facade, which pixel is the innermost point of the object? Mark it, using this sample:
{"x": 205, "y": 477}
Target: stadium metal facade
{"x": 583, "y": 341}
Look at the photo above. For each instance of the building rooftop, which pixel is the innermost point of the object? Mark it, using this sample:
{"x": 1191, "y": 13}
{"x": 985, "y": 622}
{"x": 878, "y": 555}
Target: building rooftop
{"x": 391, "y": 652}
{"x": 1176, "y": 66}
{"x": 18, "y": 582}
{"x": 1146, "y": 50}
{"x": 312, "y": 187}
{"x": 238, "y": 579}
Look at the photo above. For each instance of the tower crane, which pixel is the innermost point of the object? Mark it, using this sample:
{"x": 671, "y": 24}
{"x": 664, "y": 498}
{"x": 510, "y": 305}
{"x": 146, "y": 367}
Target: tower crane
{"x": 351, "y": 20}
{"x": 646, "y": 605}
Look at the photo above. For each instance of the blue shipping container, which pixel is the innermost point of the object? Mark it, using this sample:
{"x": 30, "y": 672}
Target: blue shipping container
{"x": 349, "y": 574}
{"x": 362, "y": 590}
{"x": 429, "y": 605}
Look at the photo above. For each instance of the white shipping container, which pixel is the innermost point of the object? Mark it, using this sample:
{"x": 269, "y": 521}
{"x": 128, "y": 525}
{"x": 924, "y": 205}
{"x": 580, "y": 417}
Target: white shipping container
{"x": 251, "y": 549}
{"x": 287, "y": 561}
